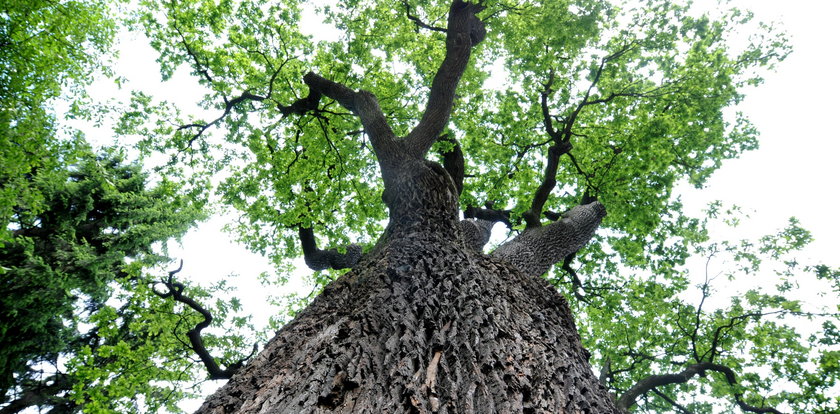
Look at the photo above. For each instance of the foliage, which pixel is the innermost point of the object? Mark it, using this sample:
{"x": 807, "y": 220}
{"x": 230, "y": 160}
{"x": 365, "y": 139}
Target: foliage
{"x": 48, "y": 50}
{"x": 72, "y": 287}
{"x": 743, "y": 305}
{"x": 641, "y": 92}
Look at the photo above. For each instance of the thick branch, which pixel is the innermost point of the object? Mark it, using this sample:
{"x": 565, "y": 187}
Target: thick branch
{"x": 175, "y": 290}
{"x": 476, "y": 232}
{"x": 650, "y": 383}
{"x": 532, "y": 216}
{"x": 489, "y": 214}
{"x": 536, "y": 249}
{"x": 464, "y": 30}
{"x": 453, "y": 163}
{"x": 318, "y": 259}
{"x": 362, "y": 104}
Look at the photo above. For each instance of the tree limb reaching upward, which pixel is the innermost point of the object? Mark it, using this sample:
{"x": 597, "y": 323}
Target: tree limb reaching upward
{"x": 628, "y": 399}
{"x": 318, "y": 259}
{"x": 464, "y": 30}
{"x": 175, "y": 290}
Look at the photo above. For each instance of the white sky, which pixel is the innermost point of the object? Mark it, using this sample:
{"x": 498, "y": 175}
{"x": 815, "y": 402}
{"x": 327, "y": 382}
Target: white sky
{"x": 794, "y": 172}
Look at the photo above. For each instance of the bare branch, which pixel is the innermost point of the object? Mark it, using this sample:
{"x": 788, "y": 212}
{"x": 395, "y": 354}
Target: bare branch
{"x": 651, "y": 382}
{"x": 318, "y": 259}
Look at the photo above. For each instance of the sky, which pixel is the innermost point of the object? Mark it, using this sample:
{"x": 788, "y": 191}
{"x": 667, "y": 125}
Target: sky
{"x": 793, "y": 173}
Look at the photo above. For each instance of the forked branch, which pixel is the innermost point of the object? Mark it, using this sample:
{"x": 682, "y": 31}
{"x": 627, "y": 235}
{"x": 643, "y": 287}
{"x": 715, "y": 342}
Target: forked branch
{"x": 361, "y": 103}
{"x": 463, "y": 31}
{"x": 628, "y": 399}
{"x": 175, "y": 290}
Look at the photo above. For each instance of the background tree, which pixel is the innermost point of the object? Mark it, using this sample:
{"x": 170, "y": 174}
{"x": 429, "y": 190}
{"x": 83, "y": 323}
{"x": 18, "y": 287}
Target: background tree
{"x": 81, "y": 326}
{"x": 64, "y": 272}
{"x": 47, "y": 50}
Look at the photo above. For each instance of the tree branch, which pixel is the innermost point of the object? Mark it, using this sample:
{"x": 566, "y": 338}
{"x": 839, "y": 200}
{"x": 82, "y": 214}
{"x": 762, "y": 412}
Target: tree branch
{"x": 628, "y": 399}
{"x": 362, "y": 104}
{"x": 175, "y": 290}
{"x": 562, "y": 139}
{"x": 229, "y": 105}
{"x": 464, "y": 30}
{"x": 536, "y": 249}
{"x": 453, "y": 162}
{"x": 489, "y": 215}
{"x": 318, "y": 259}
{"x": 419, "y": 22}
{"x": 476, "y": 232}
{"x": 532, "y": 216}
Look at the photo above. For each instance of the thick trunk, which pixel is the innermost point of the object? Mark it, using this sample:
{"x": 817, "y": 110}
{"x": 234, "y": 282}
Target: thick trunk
{"x": 424, "y": 323}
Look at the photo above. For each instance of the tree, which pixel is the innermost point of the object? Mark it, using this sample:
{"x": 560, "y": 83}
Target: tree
{"x": 614, "y": 104}
{"x": 76, "y": 308}
{"x": 80, "y": 325}
{"x": 47, "y": 49}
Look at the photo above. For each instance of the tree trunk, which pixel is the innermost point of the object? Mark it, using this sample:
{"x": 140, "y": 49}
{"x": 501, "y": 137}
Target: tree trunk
{"x": 424, "y": 323}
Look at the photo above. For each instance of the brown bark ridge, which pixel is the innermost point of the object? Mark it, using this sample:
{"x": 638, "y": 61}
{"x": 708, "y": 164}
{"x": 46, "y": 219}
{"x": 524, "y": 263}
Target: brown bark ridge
{"x": 424, "y": 324}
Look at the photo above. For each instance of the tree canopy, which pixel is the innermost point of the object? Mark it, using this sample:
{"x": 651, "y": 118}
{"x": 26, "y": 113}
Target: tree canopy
{"x": 561, "y": 103}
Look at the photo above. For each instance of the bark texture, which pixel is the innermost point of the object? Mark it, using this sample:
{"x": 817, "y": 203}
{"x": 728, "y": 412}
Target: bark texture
{"x": 424, "y": 323}
{"x": 423, "y": 326}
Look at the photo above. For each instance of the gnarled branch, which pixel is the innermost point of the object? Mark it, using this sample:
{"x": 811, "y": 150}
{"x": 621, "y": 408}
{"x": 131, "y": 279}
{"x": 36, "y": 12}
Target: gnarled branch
{"x": 362, "y": 104}
{"x": 318, "y": 259}
{"x": 628, "y": 399}
{"x": 175, "y": 290}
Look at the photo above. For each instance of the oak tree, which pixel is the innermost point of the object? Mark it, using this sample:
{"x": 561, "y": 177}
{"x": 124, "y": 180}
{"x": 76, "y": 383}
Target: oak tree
{"x": 554, "y": 118}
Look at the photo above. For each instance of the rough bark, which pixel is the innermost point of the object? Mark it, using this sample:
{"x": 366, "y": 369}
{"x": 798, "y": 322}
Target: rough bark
{"x": 536, "y": 249}
{"x": 422, "y": 324}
